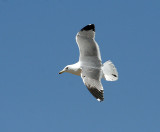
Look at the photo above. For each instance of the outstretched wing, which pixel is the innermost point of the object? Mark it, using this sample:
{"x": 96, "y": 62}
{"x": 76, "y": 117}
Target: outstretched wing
{"x": 92, "y": 79}
{"x": 90, "y": 61}
{"x": 88, "y": 48}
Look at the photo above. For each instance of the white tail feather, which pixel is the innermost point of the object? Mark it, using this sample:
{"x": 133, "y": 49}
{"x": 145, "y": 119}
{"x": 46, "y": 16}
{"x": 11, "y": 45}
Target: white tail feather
{"x": 109, "y": 71}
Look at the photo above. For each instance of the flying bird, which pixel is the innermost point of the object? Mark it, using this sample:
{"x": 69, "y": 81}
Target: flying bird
{"x": 90, "y": 66}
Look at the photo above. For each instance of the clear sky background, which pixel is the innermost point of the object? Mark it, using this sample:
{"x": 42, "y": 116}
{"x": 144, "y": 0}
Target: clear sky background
{"x": 37, "y": 40}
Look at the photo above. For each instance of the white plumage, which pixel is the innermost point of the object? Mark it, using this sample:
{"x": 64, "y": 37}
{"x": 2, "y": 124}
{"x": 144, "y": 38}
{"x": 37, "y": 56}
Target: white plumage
{"x": 89, "y": 66}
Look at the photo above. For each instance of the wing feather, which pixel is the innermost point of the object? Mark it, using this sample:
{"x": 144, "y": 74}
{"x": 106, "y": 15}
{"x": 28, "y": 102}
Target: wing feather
{"x": 92, "y": 79}
{"x": 88, "y": 47}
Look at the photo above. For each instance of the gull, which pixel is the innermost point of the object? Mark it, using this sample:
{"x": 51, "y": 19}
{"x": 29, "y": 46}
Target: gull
{"x": 90, "y": 66}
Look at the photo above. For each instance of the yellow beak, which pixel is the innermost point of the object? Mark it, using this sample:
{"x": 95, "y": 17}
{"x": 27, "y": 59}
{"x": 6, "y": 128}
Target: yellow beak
{"x": 61, "y": 72}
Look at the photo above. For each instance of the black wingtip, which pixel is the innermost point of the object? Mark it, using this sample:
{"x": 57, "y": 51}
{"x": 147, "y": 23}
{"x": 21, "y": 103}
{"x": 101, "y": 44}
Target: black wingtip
{"x": 98, "y": 94}
{"x": 89, "y": 27}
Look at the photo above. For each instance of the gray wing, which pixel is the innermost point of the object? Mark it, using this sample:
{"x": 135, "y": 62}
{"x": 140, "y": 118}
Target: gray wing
{"x": 92, "y": 79}
{"x": 89, "y": 49}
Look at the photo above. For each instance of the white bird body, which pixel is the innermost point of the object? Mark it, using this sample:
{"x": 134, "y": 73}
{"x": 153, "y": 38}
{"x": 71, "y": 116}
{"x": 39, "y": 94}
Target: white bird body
{"x": 90, "y": 66}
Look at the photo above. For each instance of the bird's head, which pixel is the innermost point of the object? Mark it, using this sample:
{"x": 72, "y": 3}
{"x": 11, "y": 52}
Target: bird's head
{"x": 66, "y": 69}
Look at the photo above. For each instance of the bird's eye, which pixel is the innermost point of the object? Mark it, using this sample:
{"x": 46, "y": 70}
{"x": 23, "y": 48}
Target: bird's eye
{"x": 66, "y": 68}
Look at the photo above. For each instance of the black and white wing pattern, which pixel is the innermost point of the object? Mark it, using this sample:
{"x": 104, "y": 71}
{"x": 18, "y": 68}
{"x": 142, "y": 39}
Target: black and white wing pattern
{"x": 88, "y": 48}
{"x": 92, "y": 79}
{"x": 90, "y": 61}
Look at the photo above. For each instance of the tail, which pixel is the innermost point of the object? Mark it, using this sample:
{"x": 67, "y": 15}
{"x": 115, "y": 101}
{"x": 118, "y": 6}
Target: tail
{"x": 109, "y": 71}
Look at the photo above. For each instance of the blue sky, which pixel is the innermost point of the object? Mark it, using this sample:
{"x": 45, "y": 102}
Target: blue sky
{"x": 37, "y": 39}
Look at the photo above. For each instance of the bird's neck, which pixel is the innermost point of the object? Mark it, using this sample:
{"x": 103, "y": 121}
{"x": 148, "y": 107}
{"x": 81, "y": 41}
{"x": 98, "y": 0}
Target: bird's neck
{"x": 75, "y": 69}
